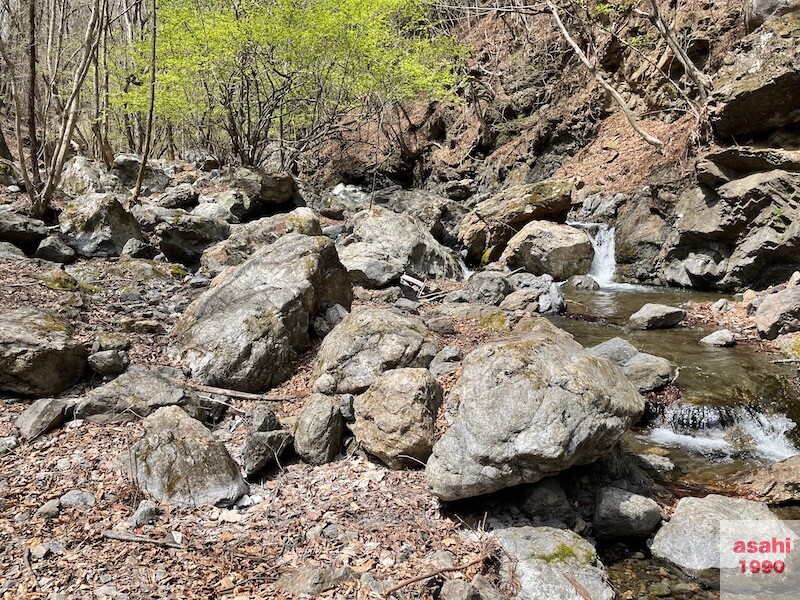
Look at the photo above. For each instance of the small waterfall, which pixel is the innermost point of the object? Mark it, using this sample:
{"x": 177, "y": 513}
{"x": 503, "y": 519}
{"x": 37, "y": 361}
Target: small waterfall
{"x": 724, "y": 431}
{"x": 466, "y": 272}
{"x": 604, "y": 264}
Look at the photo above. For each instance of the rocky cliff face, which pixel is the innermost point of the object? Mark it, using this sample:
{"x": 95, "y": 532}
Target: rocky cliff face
{"x": 713, "y": 209}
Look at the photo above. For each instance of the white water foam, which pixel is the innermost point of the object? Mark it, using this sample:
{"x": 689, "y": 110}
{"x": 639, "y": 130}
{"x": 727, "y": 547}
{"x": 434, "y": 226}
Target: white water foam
{"x": 604, "y": 263}
{"x": 466, "y": 272}
{"x": 765, "y": 436}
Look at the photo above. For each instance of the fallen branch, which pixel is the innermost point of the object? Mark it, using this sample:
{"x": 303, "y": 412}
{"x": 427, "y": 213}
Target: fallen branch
{"x": 124, "y": 536}
{"x": 418, "y": 578}
{"x": 653, "y": 141}
{"x": 786, "y": 361}
{"x": 241, "y": 395}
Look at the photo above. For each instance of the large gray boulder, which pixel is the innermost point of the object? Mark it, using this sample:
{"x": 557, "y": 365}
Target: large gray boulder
{"x": 9, "y": 174}
{"x": 441, "y": 216}
{"x": 779, "y": 313}
{"x": 760, "y": 89}
{"x": 365, "y": 344}
{"x": 622, "y": 514}
{"x": 258, "y": 191}
{"x": 656, "y": 316}
{"x": 181, "y": 196}
{"x": 81, "y": 176}
{"x": 646, "y": 371}
{"x": 247, "y": 331}
{"x": 486, "y": 230}
{"x": 38, "y": 354}
{"x": 183, "y": 238}
{"x": 20, "y": 230}
{"x": 545, "y": 248}
{"x": 245, "y": 239}
{"x": 546, "y": 560}
{"x": 318, "y": 435}
{"x": 758, "y": 12}
{"x": 743, "y": 234}
{"x": 560, "y": 405}
{"x": 97, "y": 225}
{"x": 488, "y": 287}
{"x": 126, "y": 168}
{"x": 396, "y": 417}
{"x": 136, "y": 394}
{"x": 690, "y": 540}
{"x": 179, "y": 462}
{"x": 384, "y": 245}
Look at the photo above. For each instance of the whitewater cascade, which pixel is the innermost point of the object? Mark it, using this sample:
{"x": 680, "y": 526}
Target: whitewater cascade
{"x": 604, "y": 263}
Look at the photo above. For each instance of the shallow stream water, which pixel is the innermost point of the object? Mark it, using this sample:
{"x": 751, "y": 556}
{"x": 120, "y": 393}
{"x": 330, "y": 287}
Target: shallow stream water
{"x": 738, "y": 408}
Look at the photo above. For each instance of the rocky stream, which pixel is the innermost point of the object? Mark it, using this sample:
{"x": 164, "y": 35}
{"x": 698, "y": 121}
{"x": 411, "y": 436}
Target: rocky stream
{"x": 479, "y": 386}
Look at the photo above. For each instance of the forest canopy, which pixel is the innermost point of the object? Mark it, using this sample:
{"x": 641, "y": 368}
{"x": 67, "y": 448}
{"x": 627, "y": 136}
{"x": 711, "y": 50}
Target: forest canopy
{"x": 280, "y": 75}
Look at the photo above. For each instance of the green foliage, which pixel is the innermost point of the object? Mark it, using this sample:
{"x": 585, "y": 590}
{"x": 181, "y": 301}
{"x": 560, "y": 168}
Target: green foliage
{"x": 282, "y": 69}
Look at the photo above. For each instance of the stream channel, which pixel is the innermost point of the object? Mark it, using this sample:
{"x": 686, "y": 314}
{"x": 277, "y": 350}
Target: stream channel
{"x": 738, "y": 409}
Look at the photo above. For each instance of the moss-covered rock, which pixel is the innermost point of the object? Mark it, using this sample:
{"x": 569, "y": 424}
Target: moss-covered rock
{"x": 38, "y": 355}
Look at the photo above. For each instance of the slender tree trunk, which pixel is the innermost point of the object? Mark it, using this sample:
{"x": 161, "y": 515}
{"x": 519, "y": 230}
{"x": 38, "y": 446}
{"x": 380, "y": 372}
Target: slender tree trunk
{"x": 171, "y": 149}
{"x": 33, "y": 142}
{"x": 150, "y": 111}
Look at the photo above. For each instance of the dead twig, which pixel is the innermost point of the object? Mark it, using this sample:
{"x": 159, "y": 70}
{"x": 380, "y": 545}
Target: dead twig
{"x": 582, "y": 591}
{"x": 124, "y": 536}
{"x": 418, "y": 578}
{"x": 26, "y": 559}
{"x": 241, "y": 395}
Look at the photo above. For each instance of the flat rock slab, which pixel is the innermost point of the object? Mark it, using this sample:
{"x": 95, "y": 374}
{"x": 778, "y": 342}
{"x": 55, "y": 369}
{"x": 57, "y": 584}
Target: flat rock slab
{"x": 135, "y": 395}
{"x": 656, "y": 316}
{"x": 40, "y": 417}
{"x": 778, "y": 483}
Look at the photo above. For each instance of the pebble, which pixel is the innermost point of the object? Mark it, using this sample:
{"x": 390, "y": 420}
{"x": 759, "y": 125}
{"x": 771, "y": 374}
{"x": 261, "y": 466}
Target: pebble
{"x": 145, "y": 513}
{"x": 231, "y": 516}
{"x": 7, "y": 444}
{"x": 49, "y": 509}
{"x": 659, "y": 590}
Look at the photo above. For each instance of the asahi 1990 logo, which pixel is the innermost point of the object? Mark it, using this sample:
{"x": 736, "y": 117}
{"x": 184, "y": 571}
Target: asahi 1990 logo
{"x": 759, "y": 559}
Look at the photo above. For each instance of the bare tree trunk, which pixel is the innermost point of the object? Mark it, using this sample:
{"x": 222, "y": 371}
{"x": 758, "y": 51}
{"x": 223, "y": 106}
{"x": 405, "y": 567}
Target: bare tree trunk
{"x": 151, "y": 109}
{"x": 653, "y": 141}
{"x": 33, "y": 142}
